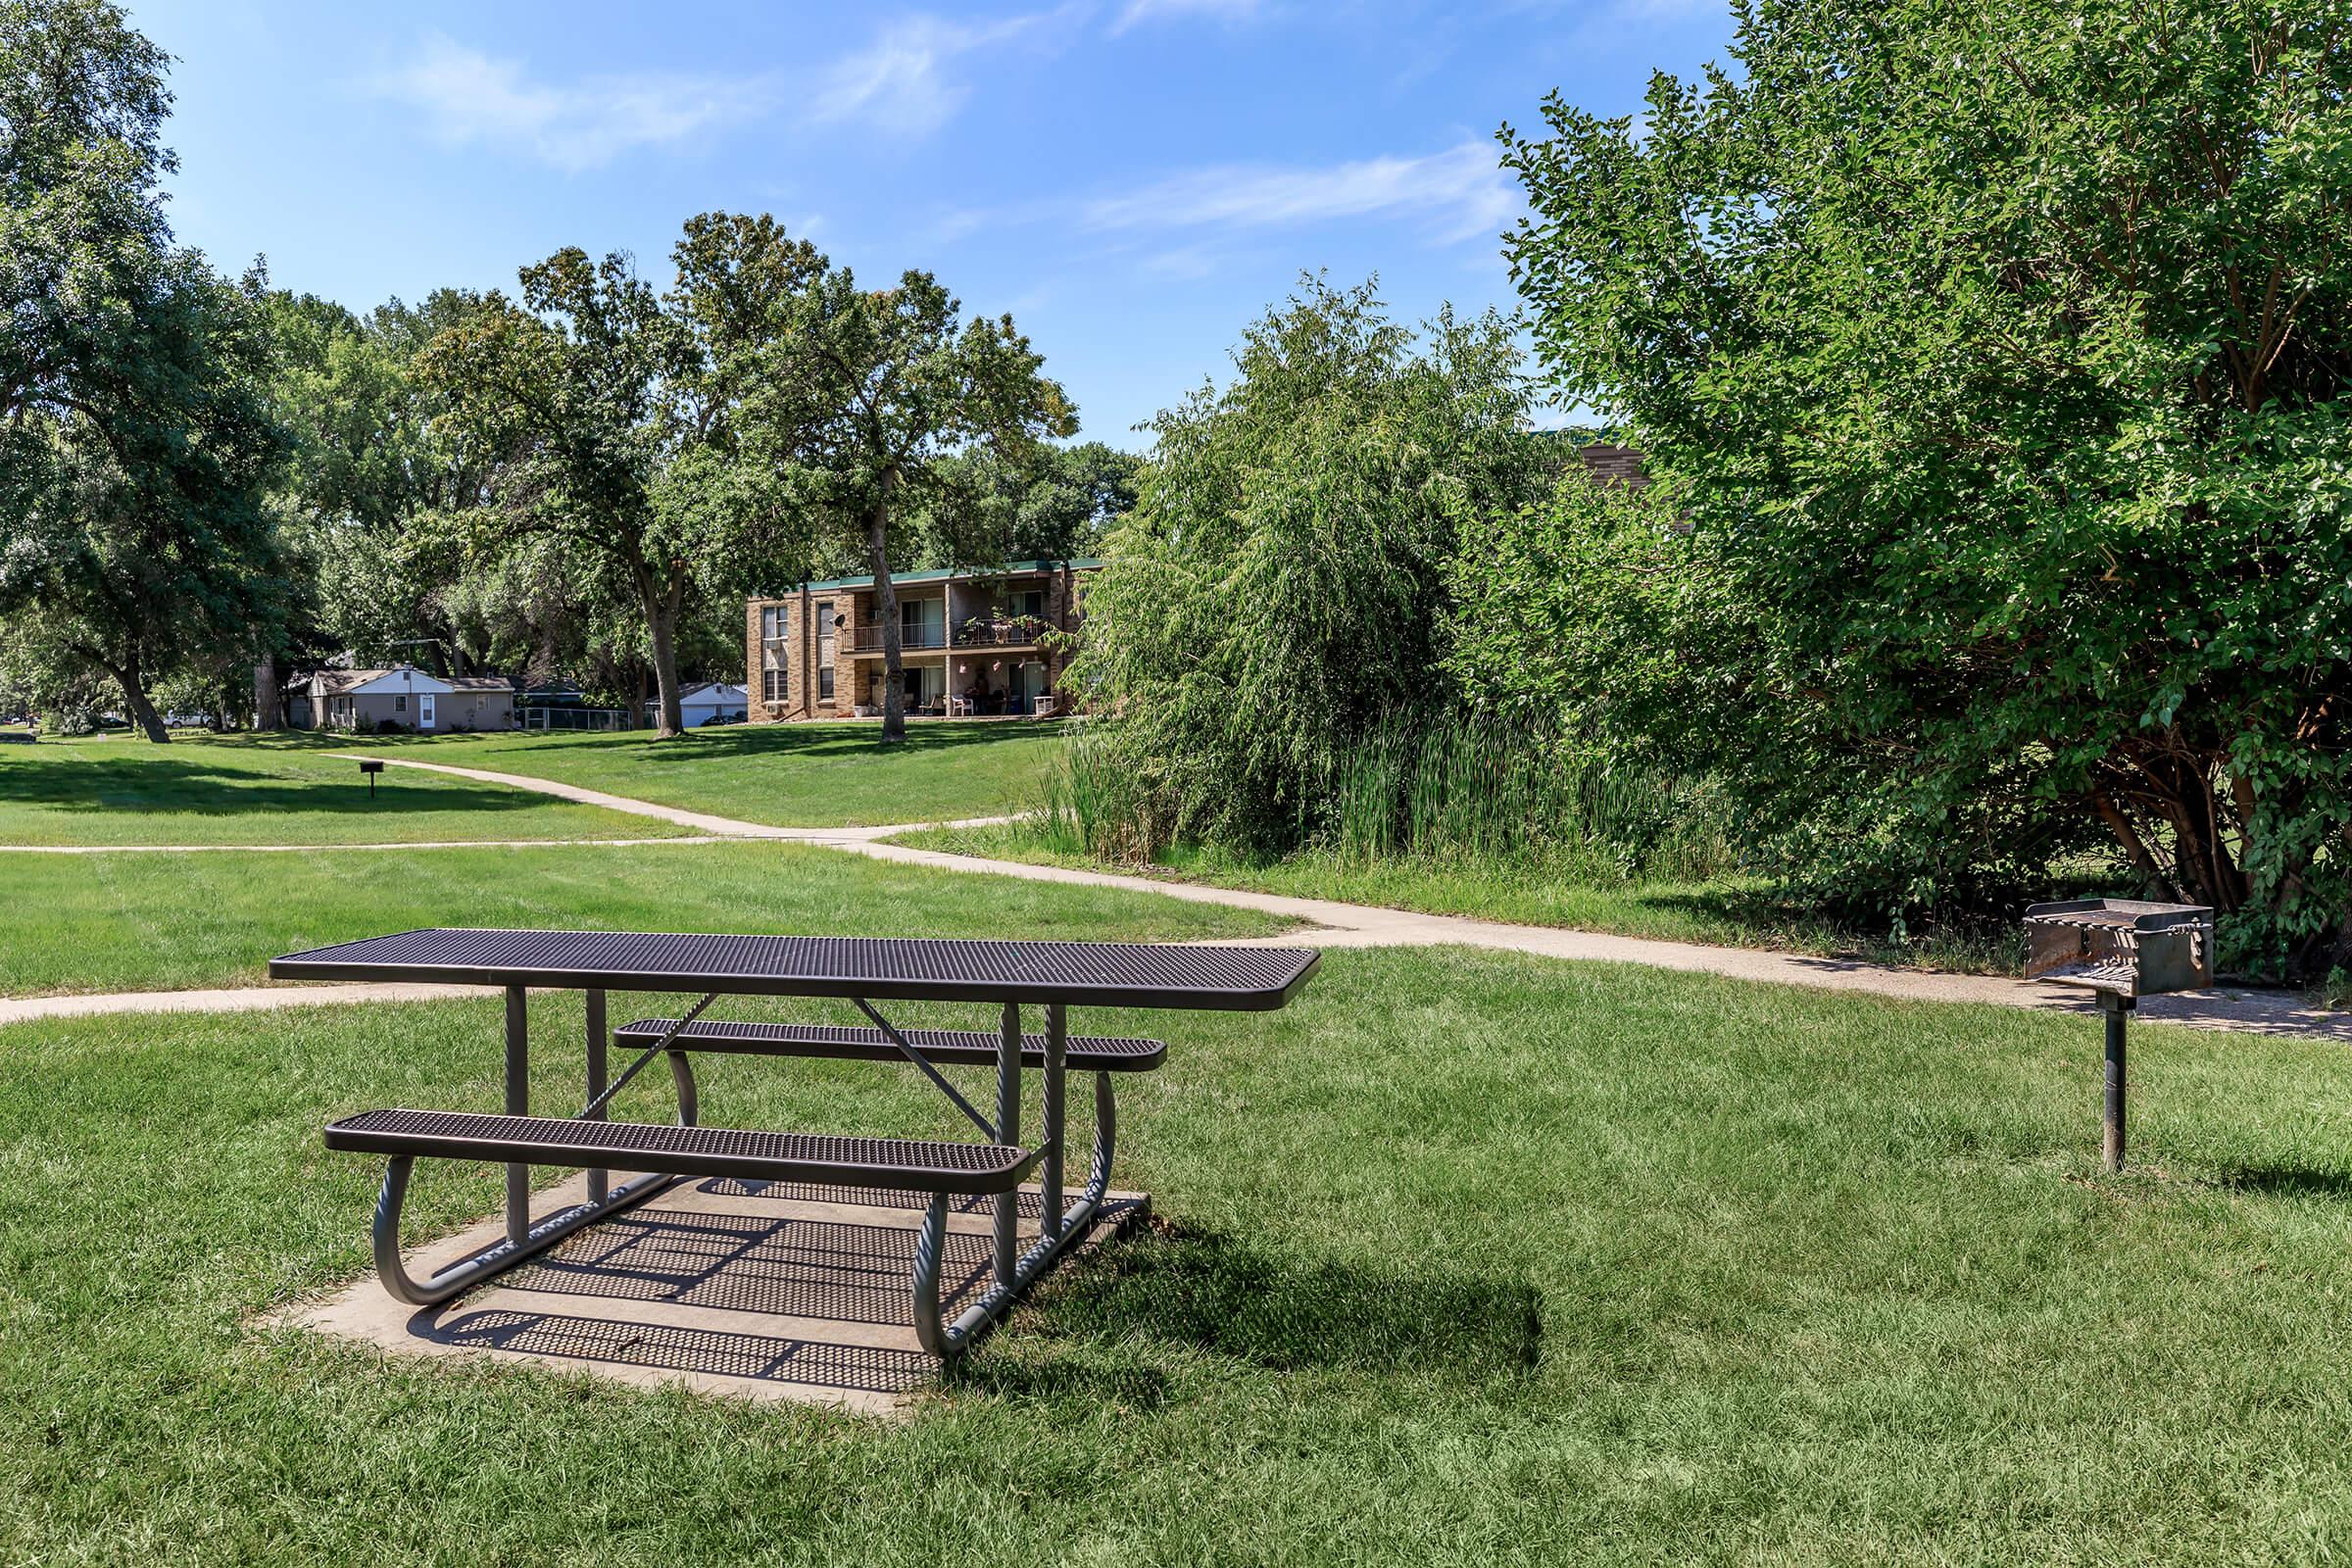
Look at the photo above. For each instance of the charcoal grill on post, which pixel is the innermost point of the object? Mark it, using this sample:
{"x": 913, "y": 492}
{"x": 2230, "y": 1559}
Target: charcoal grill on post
{"x": 2120, "y": 950}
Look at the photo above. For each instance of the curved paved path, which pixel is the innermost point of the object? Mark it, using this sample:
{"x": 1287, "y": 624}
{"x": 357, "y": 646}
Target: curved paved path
{"x": 1356, "y": 926}
{"x": 1327, "y": 924}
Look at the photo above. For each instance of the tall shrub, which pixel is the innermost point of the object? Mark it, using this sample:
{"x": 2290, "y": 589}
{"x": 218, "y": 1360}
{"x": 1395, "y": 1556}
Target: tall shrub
{"x": 1280, "y": 593}
{"x": 1994, "y": 362}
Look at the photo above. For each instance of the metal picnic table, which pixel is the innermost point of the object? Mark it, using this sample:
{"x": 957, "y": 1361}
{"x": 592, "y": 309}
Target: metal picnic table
{"x": 1011, "y": 974}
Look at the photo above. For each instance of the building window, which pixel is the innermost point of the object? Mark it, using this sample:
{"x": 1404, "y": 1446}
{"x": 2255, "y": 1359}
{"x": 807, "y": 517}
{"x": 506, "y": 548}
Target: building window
{"x": 824, "y": 682}
{"x": 775, "y": 663}
{"x": 1029, "y": 601}
{"x": 400, "y": 703}
{"x": 824, "y": 636}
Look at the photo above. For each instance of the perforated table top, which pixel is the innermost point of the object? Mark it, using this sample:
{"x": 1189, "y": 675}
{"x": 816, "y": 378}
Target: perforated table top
{"x": 1112, "y": 974}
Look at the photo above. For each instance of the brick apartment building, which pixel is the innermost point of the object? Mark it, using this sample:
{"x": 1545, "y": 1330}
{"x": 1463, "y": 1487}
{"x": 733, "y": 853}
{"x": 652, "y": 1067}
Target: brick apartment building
{"x": 989, "y": 643}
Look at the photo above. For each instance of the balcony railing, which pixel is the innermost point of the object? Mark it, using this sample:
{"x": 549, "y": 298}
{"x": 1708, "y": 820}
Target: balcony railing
{"x": 868, "y": 639}
{"x": 1018, "y": 632}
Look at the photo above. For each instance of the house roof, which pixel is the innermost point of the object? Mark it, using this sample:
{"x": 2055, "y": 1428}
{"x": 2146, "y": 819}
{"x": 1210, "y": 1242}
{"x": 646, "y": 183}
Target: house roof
{"x": 1011, "y": 568}
{"x": 344, "y": 682}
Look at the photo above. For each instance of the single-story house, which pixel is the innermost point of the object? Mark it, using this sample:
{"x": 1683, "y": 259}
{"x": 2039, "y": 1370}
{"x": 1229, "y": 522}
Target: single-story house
{"x": 404, "y": 695}
{"x": 707, "y": 702}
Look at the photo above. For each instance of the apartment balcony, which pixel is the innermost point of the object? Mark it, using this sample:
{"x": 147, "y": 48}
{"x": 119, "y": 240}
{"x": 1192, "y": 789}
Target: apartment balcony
{"x": 914, "y": 639}
{"x": 1017, "y": 632}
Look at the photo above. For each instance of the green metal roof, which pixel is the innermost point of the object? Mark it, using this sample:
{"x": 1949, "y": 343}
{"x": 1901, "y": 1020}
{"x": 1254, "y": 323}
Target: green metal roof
{"x": 1009, "y": 569}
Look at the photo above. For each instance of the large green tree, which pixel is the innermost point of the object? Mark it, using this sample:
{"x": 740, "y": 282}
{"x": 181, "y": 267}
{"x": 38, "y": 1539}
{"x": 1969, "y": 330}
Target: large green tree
{"x": 873, "y": 404}
{"x": 1052, "y": 503}
{"x": 368, "y": 480}
{"x": 1992, "y": 361}
{"x": 133, "y": 435}
{"x": 606, "y": 413}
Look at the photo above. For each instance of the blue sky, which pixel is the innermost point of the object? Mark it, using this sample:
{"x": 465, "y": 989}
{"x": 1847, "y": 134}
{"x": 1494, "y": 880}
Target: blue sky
{"x": 1133, "y": 180}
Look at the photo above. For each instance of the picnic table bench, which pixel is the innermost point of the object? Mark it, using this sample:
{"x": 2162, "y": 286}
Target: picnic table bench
{"x": 1011, "y": 974}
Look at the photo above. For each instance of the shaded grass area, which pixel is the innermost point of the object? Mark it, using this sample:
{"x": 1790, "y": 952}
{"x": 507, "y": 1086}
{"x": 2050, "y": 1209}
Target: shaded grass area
{"x": 783, "y": 775}
{"x": 1470, "y": 1258}
{"x": 144, "y": 922}
{"x": 1730, "y": 912}
{"x": 229, "y": 790}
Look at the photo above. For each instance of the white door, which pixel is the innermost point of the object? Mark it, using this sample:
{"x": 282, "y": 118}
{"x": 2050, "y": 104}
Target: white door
{"x": 425, "y": 710}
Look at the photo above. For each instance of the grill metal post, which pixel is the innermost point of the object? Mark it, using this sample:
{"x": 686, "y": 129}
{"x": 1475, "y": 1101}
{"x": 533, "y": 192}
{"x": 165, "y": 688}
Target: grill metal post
{"x": 2117, "y": 1011}
{"x": 519, "y": 1103}
{"x": 1009, "y": 1131}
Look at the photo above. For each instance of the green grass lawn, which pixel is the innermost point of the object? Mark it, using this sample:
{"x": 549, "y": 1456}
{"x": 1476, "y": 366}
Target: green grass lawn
{"x": 141, "y": 921}
{"x": 1732, "y": 912}
{"x": 229, "y": 790}
{"x": 1467, "y": 1259}
{"x": 784, "y": 775}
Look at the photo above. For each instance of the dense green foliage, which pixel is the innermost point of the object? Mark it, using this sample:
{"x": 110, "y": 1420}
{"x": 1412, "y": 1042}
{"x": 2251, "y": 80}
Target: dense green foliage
{"x": 603, "y": 412}
{"x": 1048, "y": 503}
{"x": 1280, "y": 593}
{"x": 875, "y": 408}
{"x": 1993, "y": 359}
{"x": 133, "y": 433}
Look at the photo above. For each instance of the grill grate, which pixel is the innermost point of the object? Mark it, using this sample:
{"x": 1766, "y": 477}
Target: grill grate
{"x": 2120, "y": 947}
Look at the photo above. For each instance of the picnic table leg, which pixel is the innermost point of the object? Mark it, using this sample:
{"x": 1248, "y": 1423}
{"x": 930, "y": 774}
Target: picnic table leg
{"x": 950, "y": 1340}
{"x": 1057, "y": 1043}
{"x": 1009, "y": 1131}
{"x": 599, "y": 1182}
{"x": 519, "y": 1103}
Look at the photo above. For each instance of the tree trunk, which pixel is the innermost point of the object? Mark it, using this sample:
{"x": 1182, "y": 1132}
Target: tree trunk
{"x": 661, "y": 618}
{"x": 886, "y": 609}
{"x": 142, "y": 711}
{"x": 265, "y": 714}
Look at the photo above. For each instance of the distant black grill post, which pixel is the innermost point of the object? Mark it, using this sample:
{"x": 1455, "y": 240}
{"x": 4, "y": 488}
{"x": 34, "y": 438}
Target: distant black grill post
{"x": 2120, "y": 950}
{"x": 2117, "y": 1011}
{"x": 370, "y": 768}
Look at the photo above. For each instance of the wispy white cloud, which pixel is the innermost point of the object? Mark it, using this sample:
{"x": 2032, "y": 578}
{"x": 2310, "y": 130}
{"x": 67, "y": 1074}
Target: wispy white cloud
{"x": 1463, "y": 192}
{"x": 905, "y": 82}
{"x": 1137, "y": 11}
{"x": 1186, "y": 263}
{"x": 467, "y": 97}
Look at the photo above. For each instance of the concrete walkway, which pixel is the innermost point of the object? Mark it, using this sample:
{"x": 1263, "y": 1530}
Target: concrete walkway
{"x": 1354, "y": 925}
{"x": 700, "y": 821}
{"x": 1325, "y": 924}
